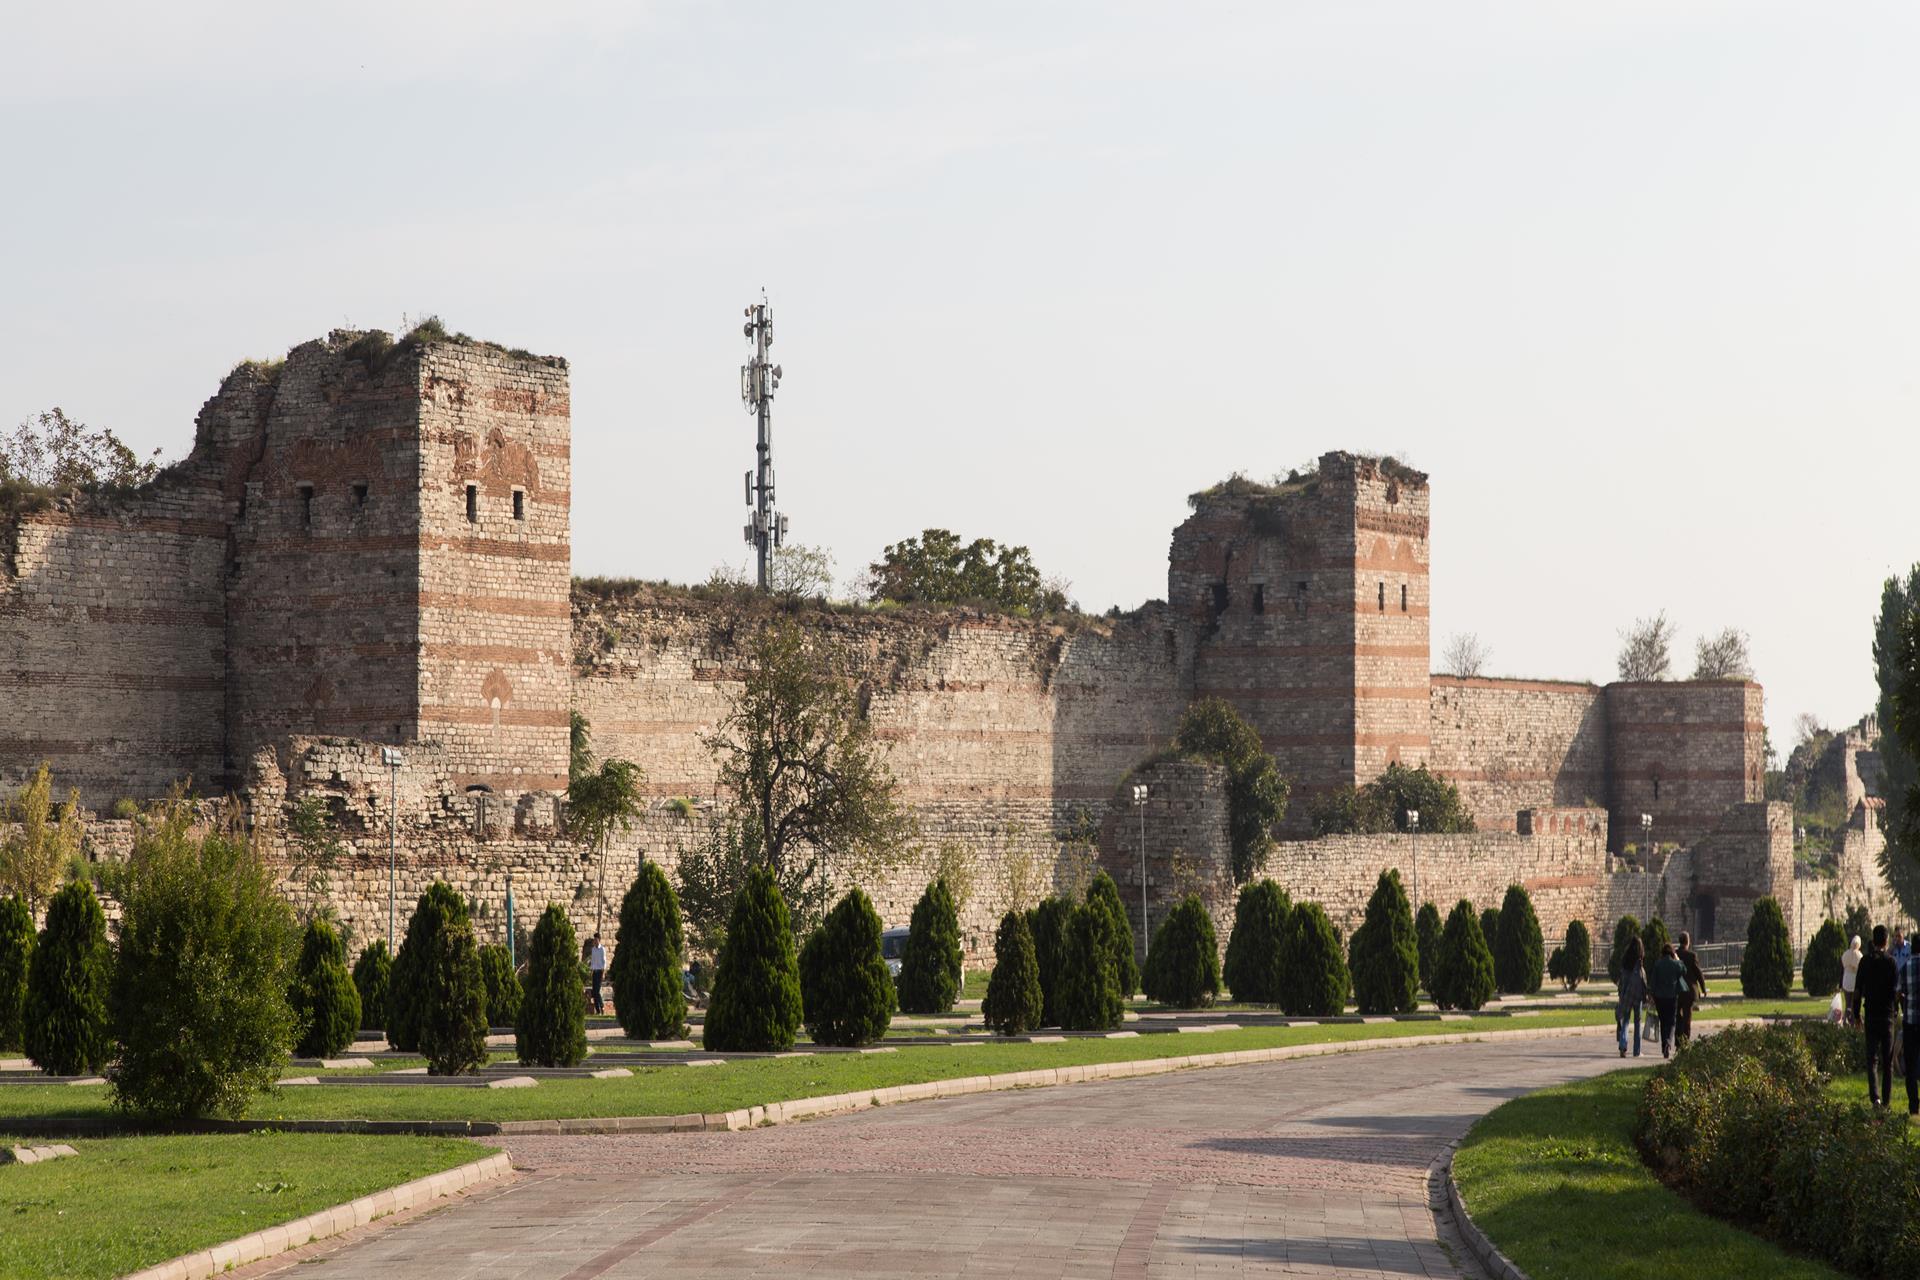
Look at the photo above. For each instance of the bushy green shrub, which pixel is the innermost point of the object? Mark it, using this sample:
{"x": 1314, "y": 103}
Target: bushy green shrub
{"x": 1625, "y": 930}
{"x": 1183, "y": 966}
{"x": 930, "y": 964}
{"x": 846, "y": 993}
{"x": 1386, "y": 954}
{"x": 1519, "y": 952}
{"x": 1254, "y": 947}
{"x": 67, "y": 1033}
{"x": 552, "y": 1028}
{"x": 1048, "y": 923}
{"x": 1015, "y": 1001}
{"x": 372, "y": 976}
{"x": 502, "y": 986}
{"x": 326, "y": 1004}
{"x": 1426, "y": 935}
{"x": 1089, "y": 993}
{"x": 438, "y": 974}
{"x": 1557, "y": 964}
{"x": 1490, "y": 929}
{"x": 1858, "y": 923}
{"x": 1820, "y": 973}
{"x": 404, "y": 1007}
{"x": 1105, "y": 894}
{"x": 1463, "y": 968}
{"x": 199, "y": 993}
{"x": 1576, "y": 955}
{"x": 16, "y": 956}
{"x": 1313, "y": 972}
{"x": 648, "y": 993}
{"x": 1766, "y": 970}
{"x": 1653, "y": 936}
{"x": 755, "y": 1006}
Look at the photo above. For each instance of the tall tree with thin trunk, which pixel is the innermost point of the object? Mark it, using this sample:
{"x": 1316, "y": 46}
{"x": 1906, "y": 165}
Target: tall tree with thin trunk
{"x": 1646, "y": 649}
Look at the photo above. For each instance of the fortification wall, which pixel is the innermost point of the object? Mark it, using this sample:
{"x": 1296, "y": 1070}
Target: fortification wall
{"x": 1518, "y": 744}
{"x": 1187, "y": 842}
{"x": 1683, "y": 752}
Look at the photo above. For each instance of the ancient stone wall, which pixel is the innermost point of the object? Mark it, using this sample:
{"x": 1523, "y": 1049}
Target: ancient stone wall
{"x": 1519, "y": 744}
{"x": 1187, "y": 841}
{"x": 1682, "y": 752}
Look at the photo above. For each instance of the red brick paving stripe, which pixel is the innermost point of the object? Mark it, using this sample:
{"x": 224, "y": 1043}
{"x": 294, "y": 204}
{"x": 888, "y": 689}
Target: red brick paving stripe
{"x": 1141, "y": 1232}
{"x": 627, "y": 1248}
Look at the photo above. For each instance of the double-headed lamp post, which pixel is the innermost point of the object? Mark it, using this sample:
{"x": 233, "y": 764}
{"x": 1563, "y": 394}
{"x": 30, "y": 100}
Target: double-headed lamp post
{"x": 391, "y": 757}
{"x": 1413, "y": 843}
{"x": 1140, "y": 807}
{"x": 1646, "y": 838}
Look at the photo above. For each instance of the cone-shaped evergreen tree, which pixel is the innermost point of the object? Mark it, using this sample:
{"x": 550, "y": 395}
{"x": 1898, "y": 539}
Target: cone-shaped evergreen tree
{"x": 552, "y": 1027}
{"x": 372, "y": 976}
{"x": 1577, "y": 960}
{"x": 1519, "y": 950}
{"x": 1490, "y": 927}
{"x": 1048, "y": 923}
{"x": 1386, "y": 955}
{"x": 1426, "y": 939}
{"x": 648, "y": 993}
{"x": 66, "y": 1008}
{"x": 930, "y": 965}
{"x": 1463, "y": 968}
{"x": 323, "y": 996}
{"x": 1822, "y": 969}
{"x": 1254, "y": 947}
{"x": 1089, "y": 993}
{"x": 16, "y": 956}
{"x": 1557, "y": 964}
{"x": 449, "y": 995}
{"x": 1014, "y": 1000}
{"x": 1653, "y": 936}
{"x": 1126, "y": 970}
{"x": 1766, "y": 971}
{"x": 1313, "y": 972}
{"x": 846, "y": 993}
{"x": 1183, "y": 967}
{"x": 755, "y": 1007}
{"x": 437, "y": 905}
{"x": 502, "y": 985}
{"x": 1625, "y": 930}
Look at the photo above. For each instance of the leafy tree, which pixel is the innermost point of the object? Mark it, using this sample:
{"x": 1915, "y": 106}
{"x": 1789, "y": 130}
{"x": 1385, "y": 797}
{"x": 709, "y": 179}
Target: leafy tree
{"x": 938, "y": 568}
{"x": 405, "y": 998}
{"x": 712, "y": 868}
{"x": 1104, "y": 893}
{"x": 1822, "y": 969}
{"x": 1859, "y": 923}
{"x": 1653, "y": 936}
{"x": 1723, "y": 657}
{"x": 1386, "y": 953}
{"x": 16, "y": 957}
{"x": 312, "y": 848}
{"x": 1577, "y": 960}
{"x": 1463, "y": 970}
{"x": 199, "y": 994}
{"x": 42, "y": 840}
{"x": 1426, "y": 930}
{"x": 1088, "y": 991}
{"x": 1766, "y": 970}
{"x": 1183, "y": 965}
{"x": 1383, "y": 804}
{"x": 1646, "y": 649}
{"x": 1624, "y": 931}
{"x": 372, "y": 975}
{"x": 600, "y": 801}
{"x": 1254, "y": 948}
{"x": 1048, "y": 923}
{"x": 648, "y": 992}
{"x": 1015, "y": 1001}
{"x": 552, "y": 1028}
{"x": 1313, "y": 973}
{"x": 54, "y": 452}
{"x": 1519, "y": 952}
{"x": 1256, "y": 793}
{"x": 326, "y": 1005}
{"x": 502, "y": 985}
{"x": 1896, "y": 669}
{"x": 930, "y": 964}
{"x": 846, "y": 993}
{"x": 755, "y": 1006}
{"x": 67, "y": 1033}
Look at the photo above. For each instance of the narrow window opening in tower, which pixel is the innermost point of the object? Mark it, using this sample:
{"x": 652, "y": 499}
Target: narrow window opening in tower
{"x": 473, "y": 504}
{"x": 1259, "y": 597}
{"x": 306, "y": 506}
{"x": 1218, "y": 602}
{"x": 519, "y": 504}
{"x": 360, "y": 494}
{"x": 1300, "y": 597}
{"x": 1403, "y": 597}
{"x": 1383, "y": 597}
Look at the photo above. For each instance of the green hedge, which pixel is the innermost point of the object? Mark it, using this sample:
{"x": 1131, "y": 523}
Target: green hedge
{"x": 1766, "y": 970}
{"x": 1822, "y": 969}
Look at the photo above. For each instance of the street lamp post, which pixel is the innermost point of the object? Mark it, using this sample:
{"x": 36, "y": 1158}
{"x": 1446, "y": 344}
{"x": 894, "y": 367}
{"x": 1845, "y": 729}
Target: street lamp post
{"x": 1413, "y": 843}
{"x": 1646, "y": 839}
{"x": 390, "y": 757}
{"x": 1140, "y": 807}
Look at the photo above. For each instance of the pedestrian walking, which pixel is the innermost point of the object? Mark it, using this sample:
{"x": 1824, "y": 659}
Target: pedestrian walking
{"x": 1668, "y": 981}
{"x": 1633, "y": 995}
{"x": 597, "y": 970}
{"x": 1908, "y": 991}
{"x": 1878, "y": 988}
{"x": 1696, "y": 987}
{"x": 1900, "y": 949}
{"x": 1849, "y": 976}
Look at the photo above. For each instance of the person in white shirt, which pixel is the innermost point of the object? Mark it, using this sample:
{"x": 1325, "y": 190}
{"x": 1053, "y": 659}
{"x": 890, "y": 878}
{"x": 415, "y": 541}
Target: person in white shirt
{"x": 1849, "y": 971}
{"x": 597, "y": 967}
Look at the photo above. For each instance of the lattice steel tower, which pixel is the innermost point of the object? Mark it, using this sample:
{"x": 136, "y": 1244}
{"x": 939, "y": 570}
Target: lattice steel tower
{"x": 758, "y": 381}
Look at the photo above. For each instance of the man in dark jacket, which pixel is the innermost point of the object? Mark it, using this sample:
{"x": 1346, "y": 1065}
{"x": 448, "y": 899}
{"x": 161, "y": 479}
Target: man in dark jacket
{"x": 1878, "y": 985}
{"x": 1696, "y": 987}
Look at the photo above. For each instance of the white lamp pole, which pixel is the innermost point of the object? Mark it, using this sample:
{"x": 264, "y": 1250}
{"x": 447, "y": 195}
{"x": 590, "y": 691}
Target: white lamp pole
{"x": 390, "y": 756}
{"x": 1140, "y": 807}
{"x": 1413, "y": 843}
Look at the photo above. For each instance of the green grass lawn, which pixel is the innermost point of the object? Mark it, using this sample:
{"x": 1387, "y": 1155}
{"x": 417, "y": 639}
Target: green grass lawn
{"x": 1553, "y": 1179}
{"x": 677, "y": 1090}
{"x": 127, "y": 1203}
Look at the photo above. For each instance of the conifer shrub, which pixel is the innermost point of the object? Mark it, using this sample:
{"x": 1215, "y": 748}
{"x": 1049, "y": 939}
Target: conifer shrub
{"x": 1254, "y": 947}
{"x": 930, "y": 964}
{"x": 1183, "y": 965}
{"x": 1653, "y": 936}
{"x": 755, "y": 1006}
{"x": 199, "y": 992}
{"x": 1048, "y": 923}
{"x": 1557, "y": 964}
{"x": 1463, "y": 967}
{"x": 1577, "y": 955}
{"x": 1519, "y": 950}
{"x": 66, "y": 1032}
{"x": 1426, "y": 937}
{"x": 1490, "y": 926}
{"x": 448, "y": 995}
{"x": 372, "y": 976}
{"x": 16, "y": 956}
{"x": 326, "y": 1004}
{"x": 1313, "y": 972}
{"x": 1820, "y": 973}
{"x": 648, "y": 993}
{"x": 1766, "y": 971}
{"x": 1386, "y": 954}
{"x": 1089, "y": 992}
{"x": 552, "y": 1028}
{"x": 1625, "y": 930}
{"x": 1015, "y": 1001}
{"x": 502, "y": 985}
{"x": 404, "y": 998}
{"x": 1106, "y": 894}
{"x": 846, "y": 993}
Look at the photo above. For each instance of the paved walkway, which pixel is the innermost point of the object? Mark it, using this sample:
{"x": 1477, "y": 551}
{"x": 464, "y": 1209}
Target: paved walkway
{"x": 1315, "y": 1167}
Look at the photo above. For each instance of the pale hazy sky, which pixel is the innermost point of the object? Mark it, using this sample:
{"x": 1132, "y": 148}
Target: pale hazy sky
{"x": 1636, "y": 283}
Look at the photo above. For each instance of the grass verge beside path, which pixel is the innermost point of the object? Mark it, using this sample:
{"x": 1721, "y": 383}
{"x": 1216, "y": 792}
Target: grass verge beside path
{"x": 1555, "y": 1181}
{"x": 127, "y": 1203}
{"x": 678, "y": 1090}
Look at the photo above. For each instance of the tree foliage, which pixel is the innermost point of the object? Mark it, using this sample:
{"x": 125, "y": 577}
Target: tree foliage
{"x": 1576, "y": 955}
{"x": 1256, "y": 793}
{"x": 1653, "y": 936}
{"x": 1490, "y": 930}
{"x": 403, "y": 995}
{"x": 1048, "y": 923}
{"x": 755, "y": 1006}
{"x": 1519, "y": 950}
{"x": 552, "y": 1027}
{"x": 711, "y": 869}
{"x": 502, "y": 985}
{"x": 1646, "y": 649}
{"x": 326, "y": 1004}
{"x": 601, "y": 799}
{"x": 930, "y": 965}
{"x": 648, "y": 993}
{"x": 42, "y": 840}
{"x": 16, "y": 957}
{"x": 1386, "y": 953}
{"x": 1102, "y": 892}
{"x": 846, "y": 993}
{"x": 1463, "y": 969}
{"x": 1313, "y": 972}
{"x": 938, "y": 568}
{"x": 1426, "y": 930}
{"x": 1382, "y": 805}
{"x": 1725, "y": 656}
{"x": 1015, "y": 1001}
{"x": 1766, "y": 970}
{"x": 1822, "y": 969}
{"x": 1896, "y": 669}
{"x": 1255, "y": 947}
{"x": 449, "y": 991}
{"x": 1183, "y": 964}
{"x": 50, "y": 454}
{"x": 372, "y": 976}
{"x": 1088, "y": 990}
{"x": 67, "y": 1032}
{"x": 1625, "y": 930}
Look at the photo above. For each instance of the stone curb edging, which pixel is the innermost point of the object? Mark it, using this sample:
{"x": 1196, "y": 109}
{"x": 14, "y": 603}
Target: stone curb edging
{"x": 1498, "y": 1265}
{"x": 326, "y": 1222}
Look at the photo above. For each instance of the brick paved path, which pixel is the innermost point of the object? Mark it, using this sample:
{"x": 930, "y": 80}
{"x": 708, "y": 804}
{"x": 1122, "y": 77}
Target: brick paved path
{"x": 1315, "y": 1167}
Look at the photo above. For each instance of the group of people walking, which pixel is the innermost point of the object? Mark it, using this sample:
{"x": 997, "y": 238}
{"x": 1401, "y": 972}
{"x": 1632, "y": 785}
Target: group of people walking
{"x": 1881, "y": 979}
{"x": 1673, "y": 986}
